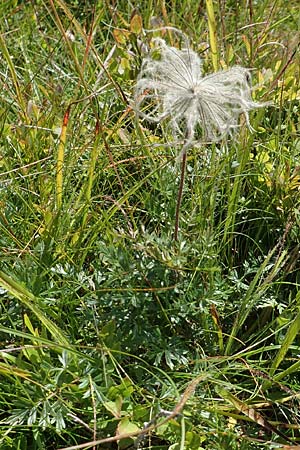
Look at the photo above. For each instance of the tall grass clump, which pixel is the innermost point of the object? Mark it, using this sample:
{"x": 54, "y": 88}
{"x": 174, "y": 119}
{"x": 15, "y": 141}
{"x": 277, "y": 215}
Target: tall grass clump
{"x": 113, "y": 333}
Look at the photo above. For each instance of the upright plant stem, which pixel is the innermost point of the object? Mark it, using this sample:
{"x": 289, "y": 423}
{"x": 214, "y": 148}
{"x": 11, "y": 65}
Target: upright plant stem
{"x": 180, "y": 191}
{"x": 60, "y": 159}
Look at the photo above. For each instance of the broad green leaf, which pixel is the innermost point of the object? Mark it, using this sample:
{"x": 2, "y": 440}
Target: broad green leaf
{"x": 114, "y": 407}
{"x": 136, "y": 24}
{"x": 121, "y": 36}
{"x": 126, "y": 427}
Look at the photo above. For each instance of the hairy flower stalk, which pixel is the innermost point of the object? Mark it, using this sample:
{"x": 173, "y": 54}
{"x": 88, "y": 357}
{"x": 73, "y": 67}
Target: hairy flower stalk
{"x": 204, "y": 109}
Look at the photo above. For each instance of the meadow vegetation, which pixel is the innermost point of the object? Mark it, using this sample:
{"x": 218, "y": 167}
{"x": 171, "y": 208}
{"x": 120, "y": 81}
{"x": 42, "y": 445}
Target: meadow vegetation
{"x": 108, "y": 323}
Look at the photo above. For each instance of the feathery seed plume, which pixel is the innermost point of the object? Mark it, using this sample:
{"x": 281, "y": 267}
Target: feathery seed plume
{"x": 170, "y": 85}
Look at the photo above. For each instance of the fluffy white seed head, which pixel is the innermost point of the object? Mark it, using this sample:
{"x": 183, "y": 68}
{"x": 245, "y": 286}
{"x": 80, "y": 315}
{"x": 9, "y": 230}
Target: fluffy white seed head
{"x": 170, "y": 85}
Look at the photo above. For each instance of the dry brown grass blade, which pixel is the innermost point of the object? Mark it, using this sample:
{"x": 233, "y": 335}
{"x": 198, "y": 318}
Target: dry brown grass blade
{"x": 251, "y": 413}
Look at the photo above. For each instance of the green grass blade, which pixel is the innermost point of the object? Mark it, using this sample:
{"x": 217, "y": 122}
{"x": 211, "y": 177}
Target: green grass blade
{"x": 14, "y": 77}
{"x": 43, "y": 342}
{"x": 247, "y": 303}
{"x": 30, "y": 301}
{"x": 289, "y": 338}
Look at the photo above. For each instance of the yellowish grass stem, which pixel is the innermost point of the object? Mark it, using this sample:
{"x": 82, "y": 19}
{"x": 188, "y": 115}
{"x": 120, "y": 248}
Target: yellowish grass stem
{"x": 213, "y": 38}
{"x": 60, "y": 160}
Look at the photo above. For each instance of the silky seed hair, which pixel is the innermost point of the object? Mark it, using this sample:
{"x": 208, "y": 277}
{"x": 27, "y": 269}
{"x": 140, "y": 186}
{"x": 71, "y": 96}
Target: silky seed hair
{"x": 203, "y": 108}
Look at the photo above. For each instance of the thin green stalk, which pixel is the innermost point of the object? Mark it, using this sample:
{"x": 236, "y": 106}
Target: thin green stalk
{"x": 111, "y": 159}
{"x": 294, "y": 368}
{"x": 180, "y": 192}
{"x": 14, "y": 77}
{"x": 60, "y": 26}
{"x": 233, "y": 198}
{"x": 91, "y": 175}
{"x": 182, "y": 440}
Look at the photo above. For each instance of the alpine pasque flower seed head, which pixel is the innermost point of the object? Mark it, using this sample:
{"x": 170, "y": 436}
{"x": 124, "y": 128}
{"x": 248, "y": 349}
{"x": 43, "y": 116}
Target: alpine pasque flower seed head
{"x": 171, "y": 85}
